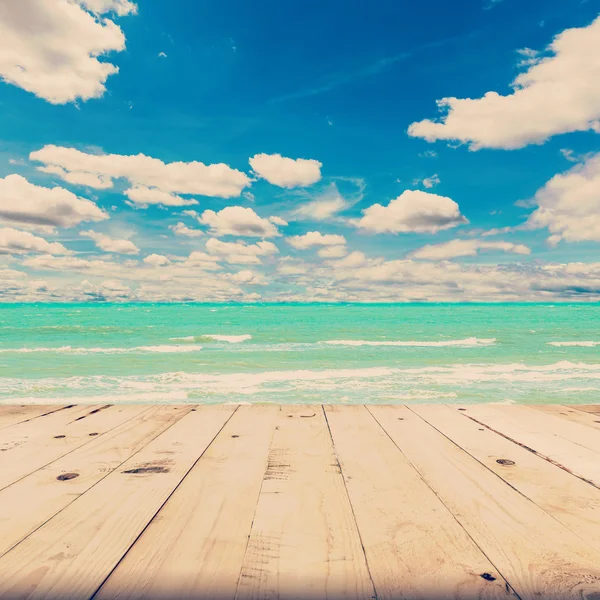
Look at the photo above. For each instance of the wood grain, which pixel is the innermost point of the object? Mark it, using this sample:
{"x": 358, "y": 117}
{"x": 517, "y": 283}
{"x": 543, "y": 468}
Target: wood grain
{"x": 195, "y": 546}
{"x": 415, "y": 548}
{"x": 530, "y": 432}
{"x": 304, "y": 540}
{"x": 33, "y": 500}
{"x": 13, "y": 414}
{"x": 31, "y": 445}
{"x": 72, "y": 554}
{"x": 537, "y": 555}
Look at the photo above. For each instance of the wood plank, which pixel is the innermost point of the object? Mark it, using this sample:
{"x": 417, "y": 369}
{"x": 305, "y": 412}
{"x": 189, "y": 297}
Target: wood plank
{"x": 570, "y": 414}
{"x": 556, "y": 425}
{"x": 415, "y": 548}
{"x": 590, "y": 408}
{"x": 12, "y": 414}
{"x": 72, "y": 554}
{"x": 577, "y": 459}
{"x": 538, "y": 556}
{"x": 304, "y": 541}
{"x": 573, "y": 502}
{"x": 195, "y": 546}
{"x": 30, "y": 502}
{"x": 29, "y": 446}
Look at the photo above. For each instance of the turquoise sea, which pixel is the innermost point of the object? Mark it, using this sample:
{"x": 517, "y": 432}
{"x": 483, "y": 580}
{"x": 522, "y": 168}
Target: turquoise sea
{"x": 300, "y": 353}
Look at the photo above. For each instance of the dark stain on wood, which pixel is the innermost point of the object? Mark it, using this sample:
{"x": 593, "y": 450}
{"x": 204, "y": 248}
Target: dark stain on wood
{"x": 506, "y": 462}
{"x": 308, "y": 416}
{"x": 93, "y": 433}
{"x": 67, "y": 476}
{"x": 147, "y": 469}
{"x": 488, "y": 577}
{"x": 235, "y": 436}
{"x": 59, "y": 437}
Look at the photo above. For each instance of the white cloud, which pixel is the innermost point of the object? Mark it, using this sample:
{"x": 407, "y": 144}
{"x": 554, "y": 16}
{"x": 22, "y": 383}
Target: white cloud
{"x": 558, "y": 94}
{"x": 51, "y": 47}
{"x": 153, "y": 181}
{"x": 202, "y": 260}
{"x": 458, "y": 247}
{"x": 77, "y": 178}
{"x": 184, "y": 230}
{"x": 429, "y": 182}
{"x": 278, "y": 221}
{"x": 14, "y": 241}
{"x": 240, "y": 253}
{"x": 569, "y": 204}
{"x": 315, "y": 238}
{"x": 286, "y": 172}
{"x": 247, "y": 277}
{"x": 100, "y": 7}
{"x": 142, "y": 197}
{"x": 31, "y": 205}
{"x": 108, "y": 244}
{"x": 324, "y": 206}
{"x": 237, "y": 220}
{"x": 333, "y": 252}
{"x": 412, "y": 211}
{"x": 156, "y": 260}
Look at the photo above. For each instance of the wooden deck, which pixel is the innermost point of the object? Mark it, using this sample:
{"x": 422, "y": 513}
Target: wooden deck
{"x": 299, "y": 502}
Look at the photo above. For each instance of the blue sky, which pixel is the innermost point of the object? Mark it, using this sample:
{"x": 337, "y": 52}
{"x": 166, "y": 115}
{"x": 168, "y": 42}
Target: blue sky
{"x": 336, "y": 101}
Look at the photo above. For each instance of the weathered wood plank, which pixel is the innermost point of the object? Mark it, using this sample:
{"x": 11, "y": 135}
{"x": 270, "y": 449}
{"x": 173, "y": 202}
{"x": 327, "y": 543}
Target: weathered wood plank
{"x": 574, "y": 457}
{"x": 556, "y": 425}
{"x": 570, "y": 414}
{"x": 33, "y": 500}
{"x": 195, "y": 546}
{"x": 590, "y": 408}
{"x": 573, "y": 502}
{"x": 29, "y": 446}
{"x": 72, "y": 554}
{"x": 538, "y": 556}
{"x": 304, "y": 541}
{"x": 415, "y": 548}
{"x": 14, "y": 414}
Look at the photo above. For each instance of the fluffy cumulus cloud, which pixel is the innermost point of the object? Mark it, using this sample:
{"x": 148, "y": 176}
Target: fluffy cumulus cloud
{"x": 52, "y": 48}
{"x": 108, "y": 244}
{"x": 14, "y": 241}
{"x": 153, "y": 181}
{"x": 183, "y": 230}
{"x": 457, "y": 248}
{"x": 30, "y": 205}
{"x": 315, "y": 238}
{"x": 240, "y": 253}
{"x": 558, "y": 93}
{"x": 237, "y": 220}
{"x": 286, "y": 172}
{"x": 412, "y": 211}
{"x": 569, "y": 204}
{"x": 156, "y": 260}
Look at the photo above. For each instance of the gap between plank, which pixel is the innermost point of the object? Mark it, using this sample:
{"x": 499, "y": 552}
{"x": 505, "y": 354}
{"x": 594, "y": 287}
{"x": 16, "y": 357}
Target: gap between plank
{"x": 507, "y": 584}
{"x": 97, "y": 482}
{"x": 167, "y": 499}
{"x": 542, "y": 456}
{"x": 337, "y": 460}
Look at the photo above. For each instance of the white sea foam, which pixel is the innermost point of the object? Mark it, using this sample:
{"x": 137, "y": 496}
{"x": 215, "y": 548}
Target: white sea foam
{"x": 231, "y": 339}
{"x": 488, "y": 382}
{"x": 165, "y": 348}
{"x": 567, "y": 344}
{"x": 466, "y": 343}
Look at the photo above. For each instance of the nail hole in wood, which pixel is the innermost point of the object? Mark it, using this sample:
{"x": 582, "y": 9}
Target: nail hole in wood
{"x": 93, "y": 433}
{"x": 462, "y": 409}
{"x": 506, "y": 462}
{"x": 235, "y": 436}
{"x": 67, "y": 476}
{"x": 59, "y": 437}
{"x": 488, "y": 577}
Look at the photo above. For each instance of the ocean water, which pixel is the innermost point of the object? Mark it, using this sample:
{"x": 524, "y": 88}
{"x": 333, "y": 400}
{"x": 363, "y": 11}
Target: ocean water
{"x": 204, "y": 353}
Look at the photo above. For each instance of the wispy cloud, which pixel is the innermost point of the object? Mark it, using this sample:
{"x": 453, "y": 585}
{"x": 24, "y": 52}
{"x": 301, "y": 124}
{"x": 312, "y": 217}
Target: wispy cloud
{"x": 339, "y": 79}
